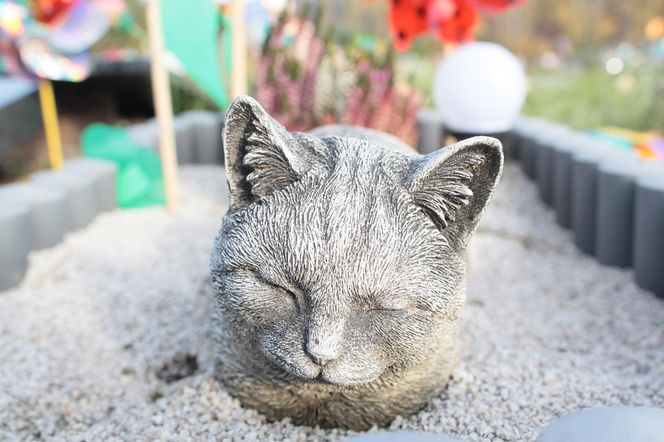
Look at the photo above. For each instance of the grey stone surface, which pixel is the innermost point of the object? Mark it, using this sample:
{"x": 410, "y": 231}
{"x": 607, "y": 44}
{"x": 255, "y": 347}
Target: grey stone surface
{"x": 206, "y": 127}
{"x": 510, "y": 142}
{"x": 615, "y": 212}
{"x": 544, "y": 156}
{"x": 544, "y": 159}
{"x": 528, "y": 129}
{"x": 197, "y": 136}
{"x": 48, "y": 218}
{"x": 528, "y": 155}
{"x": 184, "y": 140}
{"x": 431, "y": 130}
{"x": 145, "y": 134}
{"x": 561, "y": 195}
{"x": 402, "y": 436}
{"x": 523, "y": 127}
{"x": 80, "y": 189}
{"x": 649, "y": 233}
{"x": 14, "y": 243}
{"x": 608, "y": 424}
{"x": 584, "y": 193}
{"x": 561, "y": 175}
{"x": 104, "y": 173}
{"x": 517, "y": 139}
{"x": 339, "y": 269}
{"x": 584, "y": 171}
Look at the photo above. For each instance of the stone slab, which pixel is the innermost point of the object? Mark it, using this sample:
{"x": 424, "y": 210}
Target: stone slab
{"x": 14, "y": 243}
{"x": 104, "y": 173}
{"x": 80, "y": 189}
{"x": 206, "y": 127}
{"x": 615, "y": 212}
{"x": 431, "y": 131}
{"x": 403, "y": 436}
{"x": 608, "y": 424}
{"x": 648, "y": 247}
{"x": 48, "y": 217}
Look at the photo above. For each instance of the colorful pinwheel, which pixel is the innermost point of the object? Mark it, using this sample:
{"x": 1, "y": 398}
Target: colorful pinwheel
{"x": 51, "y": 39}
{"x": 452, "y": 21}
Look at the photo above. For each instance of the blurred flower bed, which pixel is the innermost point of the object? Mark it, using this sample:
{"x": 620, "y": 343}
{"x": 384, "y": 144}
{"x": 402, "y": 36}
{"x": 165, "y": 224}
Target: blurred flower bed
{"x": 305, "y": 80}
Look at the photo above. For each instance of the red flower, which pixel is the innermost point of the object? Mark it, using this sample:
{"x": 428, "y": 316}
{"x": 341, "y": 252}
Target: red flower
{"x": 408, "y": 19}
{"x": 495, "y": 5}
{"x": 48, "y": 11}
{"x": 461, "y": 25}
{"x": 453, "y": 21}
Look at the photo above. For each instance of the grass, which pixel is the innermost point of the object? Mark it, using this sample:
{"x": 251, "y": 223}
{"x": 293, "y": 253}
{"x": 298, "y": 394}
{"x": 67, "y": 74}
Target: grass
{"x": 591, "y": 98}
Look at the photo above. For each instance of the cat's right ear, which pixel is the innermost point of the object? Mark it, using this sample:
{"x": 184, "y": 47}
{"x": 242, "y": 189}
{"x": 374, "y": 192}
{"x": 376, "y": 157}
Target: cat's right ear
{"x": 452, "y": 186}
{"x": 259, "y": 153}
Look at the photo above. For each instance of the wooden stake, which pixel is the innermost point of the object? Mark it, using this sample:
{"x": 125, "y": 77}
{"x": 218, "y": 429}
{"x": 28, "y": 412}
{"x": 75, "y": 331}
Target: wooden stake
{"x": 51, "y": 124}
{"x": 161, "y": 94}
{"x": 239, "y": 44}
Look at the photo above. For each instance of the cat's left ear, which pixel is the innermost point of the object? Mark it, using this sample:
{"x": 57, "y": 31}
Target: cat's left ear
{"x": 453, "y": 185}
{"x": 261, "y": 156}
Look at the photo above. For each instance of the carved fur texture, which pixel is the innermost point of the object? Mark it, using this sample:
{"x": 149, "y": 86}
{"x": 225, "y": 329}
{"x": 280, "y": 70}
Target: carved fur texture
{"x": 338, "y": 270}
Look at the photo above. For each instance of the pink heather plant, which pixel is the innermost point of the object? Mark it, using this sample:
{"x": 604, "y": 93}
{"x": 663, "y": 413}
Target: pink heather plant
{"x": 304, "y": 83}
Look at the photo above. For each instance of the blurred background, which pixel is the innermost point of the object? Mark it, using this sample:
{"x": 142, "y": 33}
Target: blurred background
{"x": 589, "y": 64}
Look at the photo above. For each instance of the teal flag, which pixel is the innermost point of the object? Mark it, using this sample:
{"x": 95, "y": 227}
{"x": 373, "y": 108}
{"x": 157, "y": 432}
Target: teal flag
{"x": 191, "y": 33}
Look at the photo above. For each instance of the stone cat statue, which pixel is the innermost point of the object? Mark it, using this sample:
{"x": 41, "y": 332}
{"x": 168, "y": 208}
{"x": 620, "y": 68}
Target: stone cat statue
{"x": 338, "y": 271}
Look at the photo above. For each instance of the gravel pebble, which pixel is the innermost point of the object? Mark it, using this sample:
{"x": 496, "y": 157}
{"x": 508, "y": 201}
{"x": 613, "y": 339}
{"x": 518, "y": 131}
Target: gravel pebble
{"x": 86, "y": 338}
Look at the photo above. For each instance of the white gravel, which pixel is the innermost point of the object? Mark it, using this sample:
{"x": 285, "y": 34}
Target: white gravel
{"x": 89, "y": 339}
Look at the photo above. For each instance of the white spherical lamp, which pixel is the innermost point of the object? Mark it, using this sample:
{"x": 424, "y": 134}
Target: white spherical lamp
{"x": 480, "y": 89}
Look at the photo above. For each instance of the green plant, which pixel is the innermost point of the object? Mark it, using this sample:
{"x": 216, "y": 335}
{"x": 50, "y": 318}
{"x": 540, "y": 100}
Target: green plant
{"x": 590, "y": 97}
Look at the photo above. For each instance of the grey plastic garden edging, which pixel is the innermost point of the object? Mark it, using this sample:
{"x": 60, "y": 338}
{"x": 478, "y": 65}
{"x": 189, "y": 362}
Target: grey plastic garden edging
{"x": 611, "y": 200}
{"x": 38, "y": 213}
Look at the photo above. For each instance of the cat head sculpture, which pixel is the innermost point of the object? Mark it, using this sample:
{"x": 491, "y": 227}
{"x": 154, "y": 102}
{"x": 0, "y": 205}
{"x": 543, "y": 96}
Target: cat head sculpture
{"x": 340, "y": 258}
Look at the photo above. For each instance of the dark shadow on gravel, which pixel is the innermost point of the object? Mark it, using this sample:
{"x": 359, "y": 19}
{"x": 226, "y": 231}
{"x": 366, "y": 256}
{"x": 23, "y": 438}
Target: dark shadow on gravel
{"x": 181, "y": 366}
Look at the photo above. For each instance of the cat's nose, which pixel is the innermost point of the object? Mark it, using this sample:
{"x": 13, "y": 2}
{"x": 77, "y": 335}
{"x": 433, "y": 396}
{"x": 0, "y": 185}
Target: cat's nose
{"x": 320, "y": 358}
{"x": 324, "y": 336}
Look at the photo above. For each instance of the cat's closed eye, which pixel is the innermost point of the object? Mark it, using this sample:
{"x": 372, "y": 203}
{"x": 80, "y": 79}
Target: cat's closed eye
{"x": 283, "y": 292}
{"x": 252, "y": 290}
{"x": 384, "y": 304}
{"x": 390, "y": 311}
{"x": 397, "y": 308}
{"x": 274, "y": 289}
